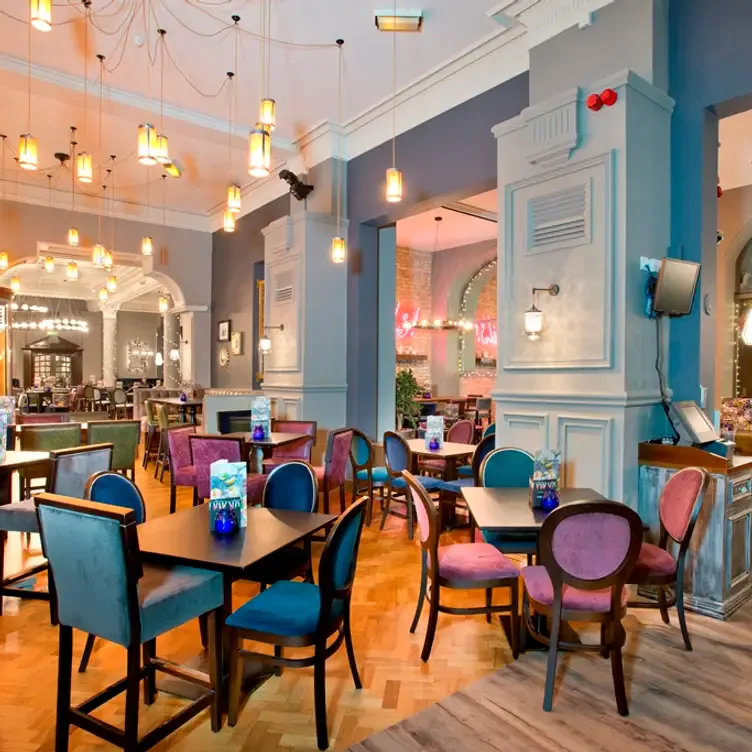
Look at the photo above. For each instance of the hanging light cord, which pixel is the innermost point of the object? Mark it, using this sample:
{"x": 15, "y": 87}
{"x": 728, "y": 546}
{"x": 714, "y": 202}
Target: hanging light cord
{"x": 262, "y": 48}
{"x": 86, "y": 72}
{"x": 268, "y": 47}
{"x": 112, "y": 157}
{"x": 162, "y": 33}
{"x": 101, "y": 107}
{"x": 28, "y": 118}
{"x": 340, "y": 42}
{"x": 73, "y": 175}
{"x": 394, "y": 90}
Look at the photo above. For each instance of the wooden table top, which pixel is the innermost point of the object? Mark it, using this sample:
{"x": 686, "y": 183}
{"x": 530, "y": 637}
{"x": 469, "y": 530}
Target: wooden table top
{"x": 176, "y": 401}
{"x": 184, "y": 538}
{"x": 509, "y": 508}
{"x": 16, "y": 459}
{"x": 449, "y": 449}
{"x": 274, "y": 439}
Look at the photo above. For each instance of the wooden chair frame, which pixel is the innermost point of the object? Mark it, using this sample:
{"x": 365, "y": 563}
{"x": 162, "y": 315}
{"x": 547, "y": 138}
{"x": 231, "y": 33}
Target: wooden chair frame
{"x": 80, "y": 715}
{"x": 613, "y": 635}
{"x": 429, "y": 574}
{"x": 390, "y": 492}
{"x": 667, "y": 599}
{"x": 368, "y": 466}
{"x": 318, "y": 639}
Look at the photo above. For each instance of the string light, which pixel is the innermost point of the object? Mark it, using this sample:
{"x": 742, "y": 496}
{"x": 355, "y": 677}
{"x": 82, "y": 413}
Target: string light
{"x": 485, "y": 269}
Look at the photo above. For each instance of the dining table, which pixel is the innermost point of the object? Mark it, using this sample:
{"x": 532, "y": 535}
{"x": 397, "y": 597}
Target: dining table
{"x": 264, "y": 448}
{"x": 186, "y": 406}
{"x": 186, "y": 539}
{"x": 508, "y": 510}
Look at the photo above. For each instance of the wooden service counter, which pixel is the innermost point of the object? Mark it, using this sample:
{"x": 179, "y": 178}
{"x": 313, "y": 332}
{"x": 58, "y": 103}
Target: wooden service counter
{"x": 719, "y": 562}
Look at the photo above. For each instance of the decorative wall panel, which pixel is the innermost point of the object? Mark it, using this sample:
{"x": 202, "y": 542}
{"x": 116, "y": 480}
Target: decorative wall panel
{"x": 524, "y": 430}
{"x": 283, "y": 308}
{"x": 585, "y": 445}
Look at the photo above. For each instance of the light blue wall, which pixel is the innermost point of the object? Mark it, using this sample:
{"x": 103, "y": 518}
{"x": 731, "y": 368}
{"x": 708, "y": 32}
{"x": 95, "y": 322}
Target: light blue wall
{"x": 710, "y": 75}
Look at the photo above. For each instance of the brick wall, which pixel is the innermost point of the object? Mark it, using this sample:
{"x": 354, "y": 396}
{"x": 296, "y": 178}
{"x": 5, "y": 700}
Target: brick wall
{"x": 414, "y": 291}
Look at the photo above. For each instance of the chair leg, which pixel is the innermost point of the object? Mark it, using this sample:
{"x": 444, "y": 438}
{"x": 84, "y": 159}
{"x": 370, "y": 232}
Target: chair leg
{"x": 278, "y": 654}
{"x": 236, "y": 677}
{"x": 433, "y": 618}
{"x": 514, "y": 619}
{"x": 421, "y": 594}
{"x": 150, "y": 680}
{"x": 604, "y": 640}
{"x": 350, "y": 650}
{"x": 160, "y": 454}
{"x": 553, "y": 654}
{"x": 132, "y": 691}
{"x": 680, "y": 607}
{"x": 147, "y": 447}
{"x": 202, "y": 626}
{"x": 173, "y": 498}
{"x": 342, "y": 499}
{"x": 489, "y": 603}
{"x": 164, "y": 466}
{"x": 86, "y": 655}
{"x": 3, "y": 536}
{"x": 386, "y": 504}
{"x": 319, "y": 697}
{"x": 325, "y": 494}
{"x": 662, "y": 605}
{"x": 409, "y": 506}
{"x": 369, "y": 509}
{"x": 617, "y": 668}
{"x": 195, "y": 497}
{"x": 65, "y": 667}
{"x": 215, "y": 663}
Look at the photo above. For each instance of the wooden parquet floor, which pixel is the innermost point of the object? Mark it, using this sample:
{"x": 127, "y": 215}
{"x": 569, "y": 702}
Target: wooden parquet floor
{"x": 698, "y": 701}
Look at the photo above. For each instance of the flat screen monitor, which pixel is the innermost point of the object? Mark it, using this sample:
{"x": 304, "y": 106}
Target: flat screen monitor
{"x": 695, "y": 423}
{"x": 675, "y": 289}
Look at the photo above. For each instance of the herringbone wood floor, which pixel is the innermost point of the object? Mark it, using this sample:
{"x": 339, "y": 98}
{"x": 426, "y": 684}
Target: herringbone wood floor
{"x": 279, "y": 716}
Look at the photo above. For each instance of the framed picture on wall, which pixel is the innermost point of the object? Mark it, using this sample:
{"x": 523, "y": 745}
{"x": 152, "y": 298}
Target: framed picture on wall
{"x": 237, "y": 343}
{"x": 223, "y": 331}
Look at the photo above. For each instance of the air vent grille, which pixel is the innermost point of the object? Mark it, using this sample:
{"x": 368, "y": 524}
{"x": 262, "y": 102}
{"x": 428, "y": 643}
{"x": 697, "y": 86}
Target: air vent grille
{"x": 559, "y": 217}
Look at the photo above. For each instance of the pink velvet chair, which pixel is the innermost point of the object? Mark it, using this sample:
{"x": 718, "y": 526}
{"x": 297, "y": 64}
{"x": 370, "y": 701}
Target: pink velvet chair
{"x": 298, "y": 450}
{"x": 462, "y": 432}
{"x": 333, "y": 473}
{"x": 461, "y": 566}
{"x": 679, "y": 506}
{"x": 586, "y": 551}
{"x": 208, "y": 449}
{"x": 182, "y": 470}
{"x": 33, "y": 418}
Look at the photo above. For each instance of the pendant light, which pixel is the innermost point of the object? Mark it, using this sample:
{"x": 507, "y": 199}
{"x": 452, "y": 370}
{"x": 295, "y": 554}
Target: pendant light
{"x": 233, "y": 191}
{"x": 260, "y": 151}
{"x": 49, "y": 264}
{"x": 40, "y": 13}
{"x": 3, "y": 254}
{"x": 28, "y": 158}
{"x": 73, "y": 238}
{"x": 109, "y": 255}
{"x": 393, "y": 175}
{"x": 147, "y": 144}
{"x": 84, "y": 165}
{"x": 97, "y": 255}
{"x": 234, "y": 200}
{"x": 71, "y": 271}
{"x": 15, "y": 285}
{"x": 164, "y": 304}
{"x": 163, "y": 153}
{"x": 268, "y": 108}
{"x": 3, "y": 260}
{"x": 111, "y": 283}
{"x": 103, "y": 295}
{"x": 228, "y": 221}
{"x": 339, "y": 247}
{"x": 107, "y": 261}
{"x": 147, "y": 246}
{"x": 98, "y": 252}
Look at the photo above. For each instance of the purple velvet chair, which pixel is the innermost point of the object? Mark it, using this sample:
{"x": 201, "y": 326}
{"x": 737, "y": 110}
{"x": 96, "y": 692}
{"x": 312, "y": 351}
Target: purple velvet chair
{"x": 333, "y": 473}
{"x": 207, "y": 449}
{"x": 182, "y": 469}
{"x": 461, "y": 566}
{"x": 298, "y": 450}
{"x": 678, "y": 508}
{"x": 462, "y": 432}
{"x": 586, "y": 551}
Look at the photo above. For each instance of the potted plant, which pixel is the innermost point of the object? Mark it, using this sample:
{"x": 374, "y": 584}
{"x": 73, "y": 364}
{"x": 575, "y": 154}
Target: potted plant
{"x": 408, "y": 410}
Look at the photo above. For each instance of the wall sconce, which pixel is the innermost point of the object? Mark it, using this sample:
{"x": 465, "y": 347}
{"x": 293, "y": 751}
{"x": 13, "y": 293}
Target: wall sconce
{"x": 265, "y": 344}
{"x": 534, "y": 316}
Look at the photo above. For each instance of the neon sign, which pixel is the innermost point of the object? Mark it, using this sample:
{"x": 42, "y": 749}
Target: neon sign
{"x": 405, "y": 321}
{"x": 485, "y": 333}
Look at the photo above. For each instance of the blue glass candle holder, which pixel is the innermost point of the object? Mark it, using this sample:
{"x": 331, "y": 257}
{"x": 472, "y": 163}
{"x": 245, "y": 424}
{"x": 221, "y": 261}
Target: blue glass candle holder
{"x": 183, "y": 397}
{"x": 225, "y": 522}
{"x": 550, "y": 500}
{"x": 433, "y": 445}
{"x": 259, "y": 433}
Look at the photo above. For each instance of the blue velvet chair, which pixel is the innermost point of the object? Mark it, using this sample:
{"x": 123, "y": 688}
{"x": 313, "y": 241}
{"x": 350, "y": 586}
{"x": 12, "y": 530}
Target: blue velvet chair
{"x": 366, "y": 477}
{"x": 292, "y": 486}
{"x": 100, "y": 586}
{"x": 302, "y": 614}
{"x": 109, "y": 487}
{"x": 398, "y": 457}
{"x": 490, "y": 430}
{"x": 509, "y": 468}
{"x": 67, "y": 474}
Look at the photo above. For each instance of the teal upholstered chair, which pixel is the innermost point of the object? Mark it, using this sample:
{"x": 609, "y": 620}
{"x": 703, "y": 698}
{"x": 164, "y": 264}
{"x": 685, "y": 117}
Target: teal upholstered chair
{"x": 109, "y": 487}
{"x": 44, "y": 438}
{"x": 365, "y": 476}
{"x": 302, "y": 614}
{"x": 292, "y": 486}
{"x": 490, "y": 430}
{"x": 124, "y": 435}
{"x": 509, "y": 468}
{"x": 70, "y": 470}
{"x": 100, "y": 586}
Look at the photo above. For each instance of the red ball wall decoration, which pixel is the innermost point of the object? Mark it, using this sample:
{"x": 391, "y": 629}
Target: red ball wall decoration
{"x": 609, "y": 97}
{"x": 594, "y": 102}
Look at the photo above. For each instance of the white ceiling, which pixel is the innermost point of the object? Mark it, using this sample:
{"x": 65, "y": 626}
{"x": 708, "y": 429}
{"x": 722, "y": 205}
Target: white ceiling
{"x": 303, "y": 80}
{"x": 455, "y": 229}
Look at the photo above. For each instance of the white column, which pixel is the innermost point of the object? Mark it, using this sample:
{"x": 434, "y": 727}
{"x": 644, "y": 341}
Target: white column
{"x": 171, "y": 341}
{"x": 109, "y": 346}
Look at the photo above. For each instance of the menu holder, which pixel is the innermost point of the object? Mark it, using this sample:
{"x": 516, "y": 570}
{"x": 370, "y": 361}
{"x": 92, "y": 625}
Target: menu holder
{"x": 544, "y": 483}
{"x": 228, "y": 491}
{"x": 434, "y": 432}
{"x": 261, "y": 423}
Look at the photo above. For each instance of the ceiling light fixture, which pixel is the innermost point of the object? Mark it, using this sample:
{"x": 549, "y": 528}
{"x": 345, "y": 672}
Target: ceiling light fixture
{"x": 147, "y": 144}
{"x": 393, "y": 175}
{"x": 268, "y": 108}
{"x": 3, "y": 260}
{"x": 108, "y": 258}
{"x": 402, "y": 20}
{"x": 15, "y": 285}
{"x": 260, "y": 151}
{"x": 41, "y": 14}
{"x": 111, "y": 283}
{"x": 163, "y": 152}
{"x": 98, "y": 253}
{"x": 73, "y": 239}
{"x": 233, "y": 191}
{"x": 228, "y": 221}
{"x": 28, "y": 158}
{"x": 71, "y": 271}
{"x": 172, "y": 168}
{"x": 147, "y": 246}
{"x": 339, "y": 247}
{"x": 103, "y": 295}
{"x": 84, "y": 165}
{"x": 49, "y": 264}
{"x": 164, "y": 304}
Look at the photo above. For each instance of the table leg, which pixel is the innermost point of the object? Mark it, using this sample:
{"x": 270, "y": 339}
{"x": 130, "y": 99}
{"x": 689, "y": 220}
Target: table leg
{"x": 449, "y": 507}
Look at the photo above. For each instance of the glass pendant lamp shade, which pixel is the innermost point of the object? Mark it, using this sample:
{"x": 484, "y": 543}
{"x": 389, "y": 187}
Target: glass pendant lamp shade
{"x": 111, "y": 284}
{"x": 393, "y": 185}
{"x": 228, "y": 224}
{"x": 108, "y": 260}
{"x": 268, "y": 114}
{"x": 159, "y": 359}
{"x": 533, "y": 323}
{"x": 15, "y": 284}
{"x": 147, "y": 247}
{"x": 41, "y": 14}
{"x": 164, "y": 304}
{"x": 260, "y": 151}
{"x": 163, "y": 151}
{"x": 148, "y": 146}
{"x": 71, "y": 271}
{"x": 27, "y": 152}
{"x": 103, "y": 295}
{"x": 49, "y": 264}
{"x": 97, "y": 254}
{"x": 84, "y": 168}
{"x": 174, "y": 355}
{"x": 3, "y": 259}
{"x": 339, "y": 250}
{"x": 233, "y": 199}
{"x": 73, "y": 237}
